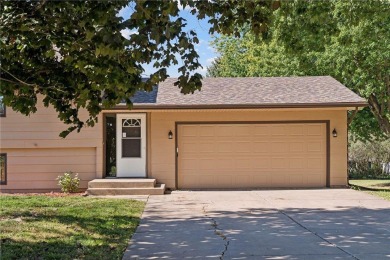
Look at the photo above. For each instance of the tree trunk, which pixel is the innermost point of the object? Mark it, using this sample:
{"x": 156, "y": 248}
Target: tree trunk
{"x": 379, "y": 113}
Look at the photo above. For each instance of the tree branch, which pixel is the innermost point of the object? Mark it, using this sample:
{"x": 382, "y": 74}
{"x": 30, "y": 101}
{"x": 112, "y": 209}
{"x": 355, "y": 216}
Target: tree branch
{"x": 19, "y": 80}
{"x": 42, "y": 3}
{"x": 351, "y": 117}
{"x": 10, "y": 81}
{"x": 383, "y": 121}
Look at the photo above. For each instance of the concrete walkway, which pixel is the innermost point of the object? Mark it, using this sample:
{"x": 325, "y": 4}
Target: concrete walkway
{"x": 264, "y": 224}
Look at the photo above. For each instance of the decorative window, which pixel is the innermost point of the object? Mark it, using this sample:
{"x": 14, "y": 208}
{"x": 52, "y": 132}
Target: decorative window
{"x": 3, "y": 168}
{"x": 131, "y": 122}
{"x": 131, "y": 138}
{"x": 2, "y": 107}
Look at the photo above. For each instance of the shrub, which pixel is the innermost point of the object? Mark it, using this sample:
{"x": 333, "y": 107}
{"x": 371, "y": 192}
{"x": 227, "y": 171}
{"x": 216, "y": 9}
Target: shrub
{"x": 368, "y": 160}
{"x": 68, "y": 183}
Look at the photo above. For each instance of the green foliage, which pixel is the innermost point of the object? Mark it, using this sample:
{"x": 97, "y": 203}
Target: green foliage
{"x": 67, "y": 227}
{"x": 70, "y": 52}
{"x": 68, "y": 183}
{"x": 249, "y": 57}
{"x": 366, "y": 159}
{"x": 349, "y": 40}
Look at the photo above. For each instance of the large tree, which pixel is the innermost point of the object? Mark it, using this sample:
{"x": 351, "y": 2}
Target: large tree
{"x": 73, "y": 54}
{"x": 349, "y": 40}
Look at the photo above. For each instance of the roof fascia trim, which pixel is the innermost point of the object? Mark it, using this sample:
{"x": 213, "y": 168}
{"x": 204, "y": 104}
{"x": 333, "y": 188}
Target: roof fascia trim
{"x": 243, "y": 106}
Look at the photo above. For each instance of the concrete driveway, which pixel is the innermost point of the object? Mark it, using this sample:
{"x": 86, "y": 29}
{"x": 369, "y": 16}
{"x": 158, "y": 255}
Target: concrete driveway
{"x": 263, "y": 224}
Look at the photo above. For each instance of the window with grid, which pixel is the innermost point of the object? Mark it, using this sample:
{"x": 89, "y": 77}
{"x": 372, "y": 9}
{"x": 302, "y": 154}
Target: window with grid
{"x": 131, "y": 138}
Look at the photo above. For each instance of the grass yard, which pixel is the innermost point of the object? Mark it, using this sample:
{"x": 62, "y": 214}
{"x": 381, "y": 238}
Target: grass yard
{"x": 69, "y": 227}
{"x": 379, "y": 188}
{"x": 372, "y": 184}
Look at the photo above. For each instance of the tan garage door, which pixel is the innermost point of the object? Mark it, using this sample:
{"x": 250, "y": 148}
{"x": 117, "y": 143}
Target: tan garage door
{"x": 251, "y": 155}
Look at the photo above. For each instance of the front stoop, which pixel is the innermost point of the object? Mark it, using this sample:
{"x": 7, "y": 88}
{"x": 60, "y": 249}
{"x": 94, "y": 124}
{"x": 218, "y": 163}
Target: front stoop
{"x": 102, "y": 187}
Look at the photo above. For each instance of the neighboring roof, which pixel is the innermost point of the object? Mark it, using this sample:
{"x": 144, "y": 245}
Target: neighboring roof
{"x": 252, "y": 92}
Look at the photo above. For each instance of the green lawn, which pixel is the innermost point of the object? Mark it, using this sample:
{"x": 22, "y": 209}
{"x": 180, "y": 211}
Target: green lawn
{"x": 70, "y": 227}
{"x": 379, "y": 188}
{"x": 372, "y": 184}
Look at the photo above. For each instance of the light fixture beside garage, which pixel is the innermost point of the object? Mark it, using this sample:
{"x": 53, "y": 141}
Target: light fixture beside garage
{"x": 334, "y": 132}
{"x": 170, "y": 134}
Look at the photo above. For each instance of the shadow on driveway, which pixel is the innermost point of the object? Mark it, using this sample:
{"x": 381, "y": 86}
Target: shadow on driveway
{"x": 345, "y": 224}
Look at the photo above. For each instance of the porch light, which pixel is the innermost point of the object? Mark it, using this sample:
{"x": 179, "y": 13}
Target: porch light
{"x": 334, "y": 133}
{"x": 170, "y": 134}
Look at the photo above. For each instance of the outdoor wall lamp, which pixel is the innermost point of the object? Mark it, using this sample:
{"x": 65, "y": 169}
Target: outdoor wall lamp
{"x": 334, "y": 133}
{"x": 170, "y": 134}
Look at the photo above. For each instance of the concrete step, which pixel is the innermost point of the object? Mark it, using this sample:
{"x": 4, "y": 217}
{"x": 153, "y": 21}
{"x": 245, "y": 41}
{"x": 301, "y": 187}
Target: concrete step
{"x": 122, "y": 183}
{"x": 159, "y": 189}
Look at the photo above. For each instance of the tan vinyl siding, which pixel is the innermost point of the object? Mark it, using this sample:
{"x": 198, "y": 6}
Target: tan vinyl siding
{"x": 37, "y": 155}
{"x": 39, "y": 168}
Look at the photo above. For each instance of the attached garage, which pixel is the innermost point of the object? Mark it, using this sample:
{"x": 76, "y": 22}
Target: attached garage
{"x": 238, "y": 133}
{"x": 252, "y": 154}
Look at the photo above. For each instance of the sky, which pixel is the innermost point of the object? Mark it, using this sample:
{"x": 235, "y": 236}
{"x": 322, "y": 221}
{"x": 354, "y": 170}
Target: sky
{"x": 204, "y": 49}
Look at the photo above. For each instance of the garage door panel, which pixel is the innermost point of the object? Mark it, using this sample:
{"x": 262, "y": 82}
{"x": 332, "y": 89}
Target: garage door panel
{"x": 245, "y": 147}
{"x": 206, "y": 131}
{"x": 314, "y": 146}
{"x": 279, "y": 147}
{"x": 224, "y": 147}
{"x": 279, "y": 180}
{"x": 297, "y": 163}
{"x": 297, "y": 130}
{"x": 190, "y": 147}
{"x": 252, "y": 155}
{"x": 208, "y": 182}
{"x": 261, "y": 163}
{"x": 242, "y": 181}
{"x": 188, "y": 131}
{"x": 224, "y": 180}
{"x": 206, "y": 147}
{"x": 315, "y": 180}
{"x": 260, "y": 147}
{"x": 314, "y": 130}
{"x": 244, "y": 163}
{"x": 243, "y": 130}
{"x": 279, "y": 130}
{"x": 224, "y": 164}
{"x": 225, "y": 131}
{"x": 261, "y": 180}
{"x": 279, "y": 163}
{"x": 297, "y": 179}
{"x": 189, "y": 164}
{"x": 190, "y": 180}
{"x": 297, "y": 147}
{"x": 314, "y": 163}
{"x": 261, "y": 130}
{"x": 206, "y": 164}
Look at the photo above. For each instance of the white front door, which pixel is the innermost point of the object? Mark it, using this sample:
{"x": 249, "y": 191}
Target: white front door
{"x": 131, "y": 145}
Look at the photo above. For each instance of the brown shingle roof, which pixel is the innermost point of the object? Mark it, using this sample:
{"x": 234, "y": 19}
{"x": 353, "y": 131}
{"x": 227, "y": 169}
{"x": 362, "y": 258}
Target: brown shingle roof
{"x": 259, "y": 91}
